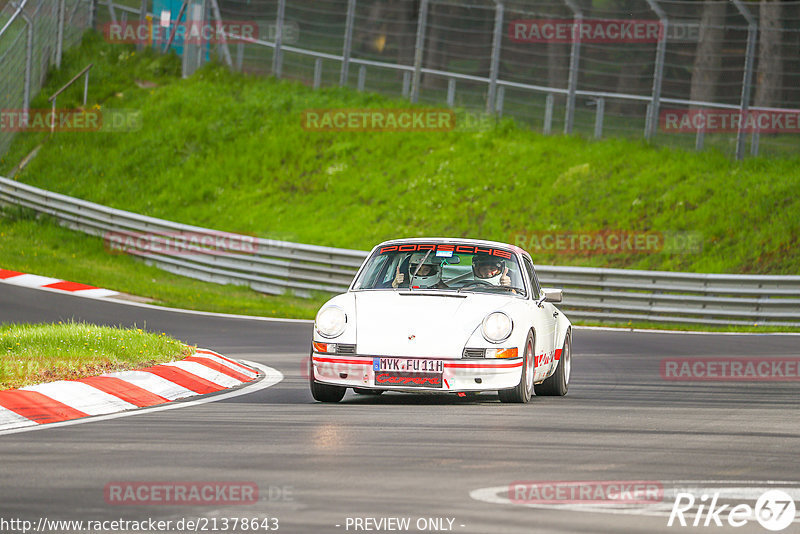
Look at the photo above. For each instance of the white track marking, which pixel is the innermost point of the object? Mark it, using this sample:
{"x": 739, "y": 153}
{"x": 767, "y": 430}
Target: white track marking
{"x": 81, "y": 397}
{"x": 272, "y": 377}
{"x": 9, "y": 419}
{"x": 154, "y": 384}
{"x": 206, "y": 373}
{"x": 226, "y": 363}
{"x": 33, "y": 281}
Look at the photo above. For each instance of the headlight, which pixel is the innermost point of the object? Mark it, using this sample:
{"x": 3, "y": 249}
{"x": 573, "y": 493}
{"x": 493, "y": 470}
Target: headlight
{"x": 330, "y": 321}
{"x": 496, "y": 327}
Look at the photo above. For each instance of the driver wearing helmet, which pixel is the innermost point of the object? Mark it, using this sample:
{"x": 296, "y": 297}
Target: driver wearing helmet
{"x": 490, "y": 269}
{"x": 425, "y": 272}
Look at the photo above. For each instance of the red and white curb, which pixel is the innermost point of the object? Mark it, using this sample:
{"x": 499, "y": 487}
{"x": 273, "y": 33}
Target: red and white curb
{"x": 204, "y": 372}
{"x": 33, "y": 280}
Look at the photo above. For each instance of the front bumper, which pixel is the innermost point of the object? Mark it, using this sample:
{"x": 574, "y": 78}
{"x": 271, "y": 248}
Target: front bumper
{"x": 479, "y": 374}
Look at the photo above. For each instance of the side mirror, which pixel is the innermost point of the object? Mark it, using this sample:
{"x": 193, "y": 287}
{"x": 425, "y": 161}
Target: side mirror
{"x": 553, "y": 295}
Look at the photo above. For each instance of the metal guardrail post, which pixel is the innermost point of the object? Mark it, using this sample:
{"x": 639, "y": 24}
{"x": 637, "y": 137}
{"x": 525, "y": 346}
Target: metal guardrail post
{"x": 419, "y": 49}
{"x": 406, "y": 90}
{"x": 239, "y": 55}
{"x": 747, "y": 80}
{"x": 754, "y": 143}
{"x": 658, "y": 71}
{"x": 501, "y": 94}
{"x": 598, "y": 117}
{"x": 277, "y": 60}
{"x": 574, "y": 60}
{"x": 699, "y": 139}
{"x": 497, "y": 42}
{"x": 548, "y": 114}
{"x": 62, "y": 13}
{"x": 348, "y": 42}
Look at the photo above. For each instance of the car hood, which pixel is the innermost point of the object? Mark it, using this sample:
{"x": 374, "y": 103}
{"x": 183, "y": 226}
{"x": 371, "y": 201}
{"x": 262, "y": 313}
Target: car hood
{"x": 393, "y": 323}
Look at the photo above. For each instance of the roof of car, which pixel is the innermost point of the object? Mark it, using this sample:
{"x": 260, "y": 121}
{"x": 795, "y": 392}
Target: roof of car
{"x": 482, "y": 242}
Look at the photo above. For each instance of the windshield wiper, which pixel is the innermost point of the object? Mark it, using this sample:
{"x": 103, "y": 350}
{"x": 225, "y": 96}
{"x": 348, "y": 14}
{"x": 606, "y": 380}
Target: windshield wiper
{"x": 477, "y": 285}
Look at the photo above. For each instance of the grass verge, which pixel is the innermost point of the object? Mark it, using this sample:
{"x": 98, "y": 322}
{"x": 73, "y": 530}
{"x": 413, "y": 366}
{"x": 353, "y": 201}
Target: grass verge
{"x": 34, "y": 353}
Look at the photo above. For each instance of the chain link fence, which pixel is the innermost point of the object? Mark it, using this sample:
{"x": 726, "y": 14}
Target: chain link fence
{"x": 696, "y": 74}
{"x": 33, "y": 35}
{"x": 724, "y": 74}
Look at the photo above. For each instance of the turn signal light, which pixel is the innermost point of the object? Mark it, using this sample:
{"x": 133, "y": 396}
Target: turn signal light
{"x": 324, "y": 347}
{"x": 501, "y": 353}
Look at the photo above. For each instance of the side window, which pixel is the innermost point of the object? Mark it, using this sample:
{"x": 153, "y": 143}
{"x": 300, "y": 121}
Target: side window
{"x": 535, "y": 289}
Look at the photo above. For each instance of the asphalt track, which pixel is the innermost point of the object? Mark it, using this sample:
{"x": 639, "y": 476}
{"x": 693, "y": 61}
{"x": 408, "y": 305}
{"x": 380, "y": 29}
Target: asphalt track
{"x": 403, "y": 455}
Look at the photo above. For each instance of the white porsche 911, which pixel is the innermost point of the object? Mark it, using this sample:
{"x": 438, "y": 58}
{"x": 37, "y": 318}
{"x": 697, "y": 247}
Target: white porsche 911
{"x": 442, "y": 316}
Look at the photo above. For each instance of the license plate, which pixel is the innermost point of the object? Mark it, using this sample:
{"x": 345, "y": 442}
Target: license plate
{"x": 408, "y": 365}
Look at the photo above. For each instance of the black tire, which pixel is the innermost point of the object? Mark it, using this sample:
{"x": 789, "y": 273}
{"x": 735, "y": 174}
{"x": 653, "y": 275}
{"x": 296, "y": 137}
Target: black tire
{"x": 323, "y": 392}
{"x": 557, "y": 384}
{"x": 365, "y": 391}
{"x": 522, "y": 393}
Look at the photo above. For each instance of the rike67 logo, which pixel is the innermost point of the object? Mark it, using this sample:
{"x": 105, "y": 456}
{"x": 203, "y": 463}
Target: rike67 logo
{"x": 774, "y": 510}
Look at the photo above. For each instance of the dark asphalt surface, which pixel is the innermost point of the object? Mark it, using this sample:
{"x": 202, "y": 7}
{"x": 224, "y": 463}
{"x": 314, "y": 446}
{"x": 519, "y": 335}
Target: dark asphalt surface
{"x": 402, "y": 455}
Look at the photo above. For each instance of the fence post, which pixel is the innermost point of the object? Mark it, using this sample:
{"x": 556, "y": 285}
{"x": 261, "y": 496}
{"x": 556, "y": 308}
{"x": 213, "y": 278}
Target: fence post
{"x": 277, "y": 60}
{"x": 226, "y": 52}
{"x": 112, "y": 11}
{"x": 598, "y": 117}
{"x": 406, "y": 84}
{"x": 142, "y": 22}
{"x": 752, "y": 30}
{"x": 451, "y": 92}
{"x": 348, "y": 42}
{"x": 26, "y": 96}
{"x": 60, "y": 32}
{"x": 239, "y": 55}
{"x": 574, "y": 59}
{"x": 92, "y": 13}
{"x": 548, "y": 114}
{"x": 419, "y": 49}
{"x": 658, "y": 72}
{"x": 754, "y": 143}
{"x": 497, "y": 42}
{"x": 362, "y": 77}
{"x": 501, "y": 93}
{"x": 317, "y": 73}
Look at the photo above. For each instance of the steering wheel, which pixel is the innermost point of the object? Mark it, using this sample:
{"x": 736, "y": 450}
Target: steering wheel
{"x": 476, "y": 283}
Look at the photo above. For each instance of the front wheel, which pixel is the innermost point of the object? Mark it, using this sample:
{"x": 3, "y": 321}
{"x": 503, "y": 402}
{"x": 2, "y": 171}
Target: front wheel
{"x": 557, "y": 384}
{"x": 324, "y": 392}
{"x": 522, "y": 393}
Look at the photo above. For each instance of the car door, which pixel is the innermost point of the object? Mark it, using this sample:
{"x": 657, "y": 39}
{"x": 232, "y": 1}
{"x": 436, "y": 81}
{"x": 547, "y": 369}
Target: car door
{"x": 545, "y": 323}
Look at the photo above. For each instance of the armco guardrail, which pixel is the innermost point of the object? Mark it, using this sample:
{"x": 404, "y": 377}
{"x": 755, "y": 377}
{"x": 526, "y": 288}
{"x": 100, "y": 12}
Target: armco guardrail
{"x": 275, "y": 267}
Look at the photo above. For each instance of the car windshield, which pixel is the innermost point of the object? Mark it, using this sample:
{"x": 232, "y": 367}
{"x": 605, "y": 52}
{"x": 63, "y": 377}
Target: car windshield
{"x": 442, "y": 267}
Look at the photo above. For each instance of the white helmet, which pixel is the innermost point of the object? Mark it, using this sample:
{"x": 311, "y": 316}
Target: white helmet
{"x": 427, "y": 269}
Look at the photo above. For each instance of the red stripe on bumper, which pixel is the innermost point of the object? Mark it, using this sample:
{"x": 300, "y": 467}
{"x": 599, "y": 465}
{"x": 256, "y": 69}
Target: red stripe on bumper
{"x": 37, "y": 407}
{"x": 484, "y": 366}
{"x": 336, "y": 360}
